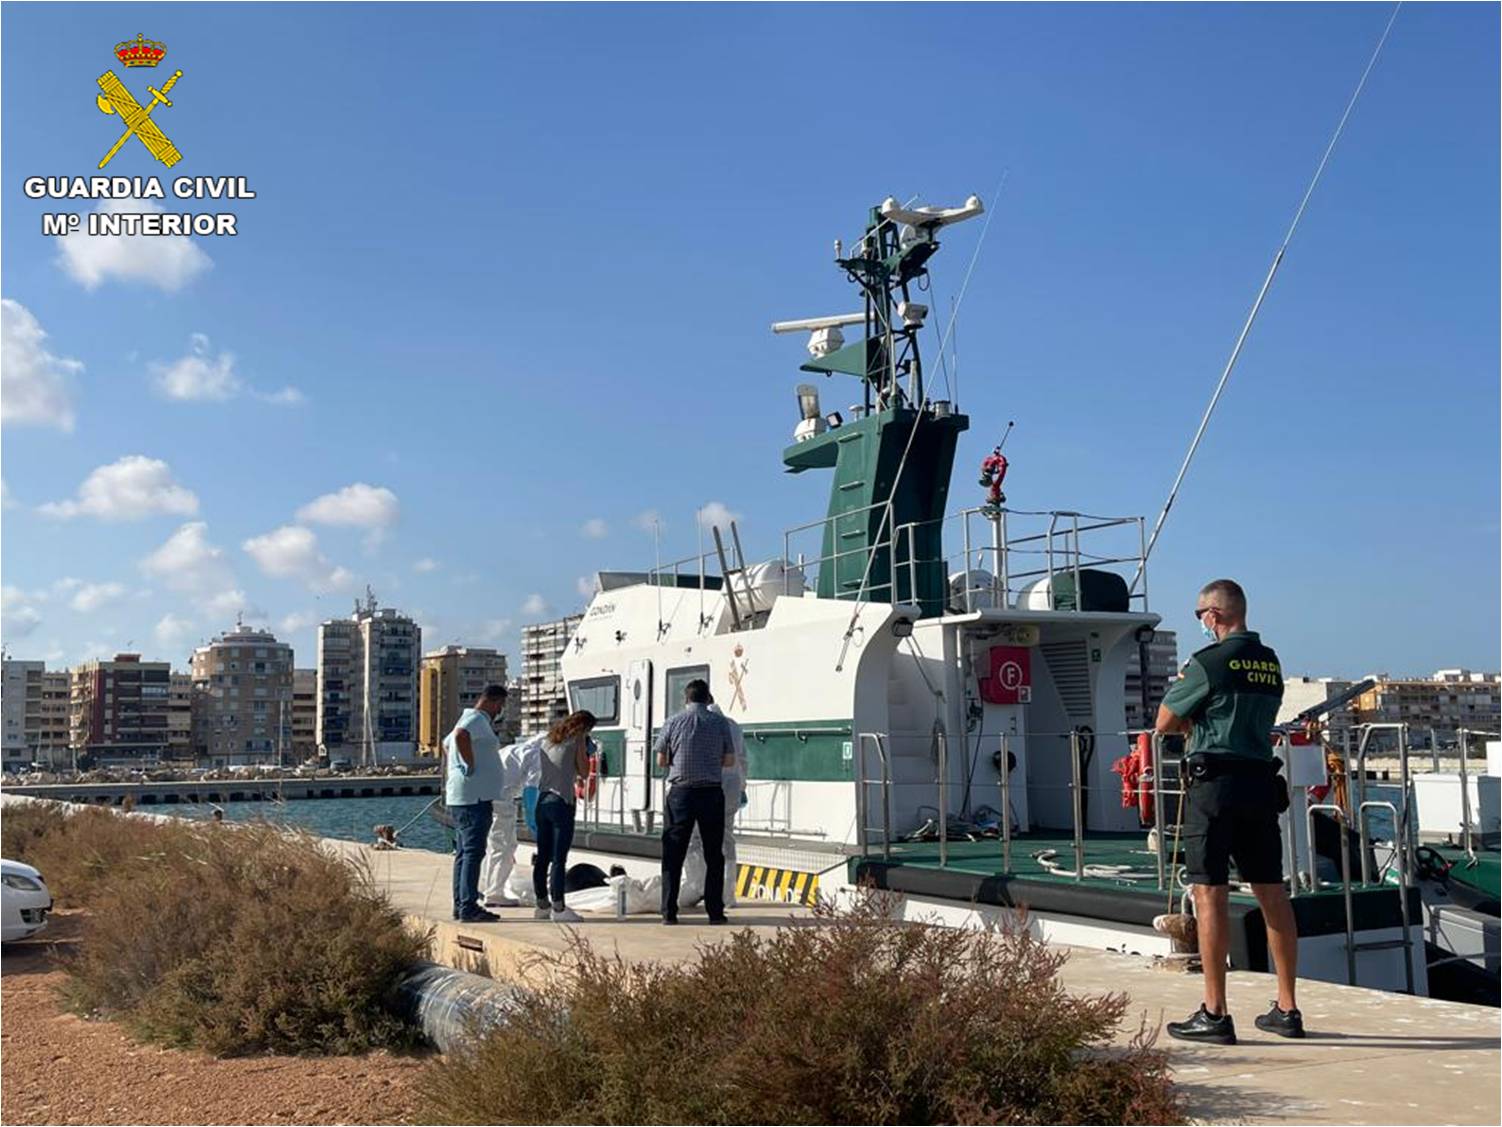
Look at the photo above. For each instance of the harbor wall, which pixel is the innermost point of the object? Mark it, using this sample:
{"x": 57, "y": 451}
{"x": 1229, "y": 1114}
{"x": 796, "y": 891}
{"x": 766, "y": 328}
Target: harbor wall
{"x": 230, "y": 790}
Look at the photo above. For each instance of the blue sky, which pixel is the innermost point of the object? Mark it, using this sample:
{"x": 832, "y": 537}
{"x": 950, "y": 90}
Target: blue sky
{"x": 507, "y": 280}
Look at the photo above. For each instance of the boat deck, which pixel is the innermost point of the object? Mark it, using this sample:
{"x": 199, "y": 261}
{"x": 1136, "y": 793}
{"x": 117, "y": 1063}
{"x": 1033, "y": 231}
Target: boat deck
{"x": 1371, "y": 1057}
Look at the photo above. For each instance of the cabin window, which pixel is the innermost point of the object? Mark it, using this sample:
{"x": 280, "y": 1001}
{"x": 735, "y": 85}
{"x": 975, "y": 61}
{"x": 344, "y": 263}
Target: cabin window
{"x": 600, "y": 695}
{"x": 676, "y": 680}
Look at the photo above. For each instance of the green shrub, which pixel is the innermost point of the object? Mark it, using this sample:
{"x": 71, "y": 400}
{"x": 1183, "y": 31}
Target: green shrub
{"x": 857, "y": 1020}
{"x": 235, "y": 940}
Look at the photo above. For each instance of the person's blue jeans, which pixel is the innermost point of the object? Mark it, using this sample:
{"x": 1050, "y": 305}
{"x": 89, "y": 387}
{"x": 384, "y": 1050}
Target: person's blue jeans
{"x": 555, "y": 835}
{"x": 471, "y": 829}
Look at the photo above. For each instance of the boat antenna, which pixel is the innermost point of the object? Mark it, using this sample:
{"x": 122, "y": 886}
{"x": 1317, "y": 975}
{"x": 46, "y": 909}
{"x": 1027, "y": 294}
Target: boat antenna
{"x": 657, "y": 576}
{"x": 1251, "y": 317}
{"x": 699, "y": 522}
{"x": 886, "y": 515}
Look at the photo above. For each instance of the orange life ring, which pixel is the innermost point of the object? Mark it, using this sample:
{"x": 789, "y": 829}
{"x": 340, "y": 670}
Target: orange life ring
{"x": 587, "y": 787}
{"x": 1146, "y": 784}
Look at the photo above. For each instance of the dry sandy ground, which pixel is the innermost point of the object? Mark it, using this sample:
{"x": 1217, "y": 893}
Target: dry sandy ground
{"x": 58, "y": 1068}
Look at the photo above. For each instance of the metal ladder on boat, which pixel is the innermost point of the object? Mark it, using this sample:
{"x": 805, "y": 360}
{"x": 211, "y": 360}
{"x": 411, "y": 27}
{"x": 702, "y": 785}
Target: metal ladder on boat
{"x": 1403, "y": 853}
{"x": 877, "y": 740}
{"x": 731, "y": 574}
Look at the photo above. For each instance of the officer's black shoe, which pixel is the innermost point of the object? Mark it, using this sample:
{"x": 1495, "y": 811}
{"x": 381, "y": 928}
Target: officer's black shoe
{"x": 1285, "y": 1023}
{"x": 1205, "y": 1028}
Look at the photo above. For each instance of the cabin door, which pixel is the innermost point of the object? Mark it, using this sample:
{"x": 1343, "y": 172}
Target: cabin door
{"x": 638, "y": 775}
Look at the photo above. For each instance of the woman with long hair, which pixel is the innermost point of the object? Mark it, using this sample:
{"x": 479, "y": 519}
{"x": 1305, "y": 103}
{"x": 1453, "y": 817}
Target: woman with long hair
{"x": 564, "y": 760}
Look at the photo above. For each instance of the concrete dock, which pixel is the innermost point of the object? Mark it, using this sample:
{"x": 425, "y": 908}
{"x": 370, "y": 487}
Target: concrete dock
{"x": 1370, "y": 1058}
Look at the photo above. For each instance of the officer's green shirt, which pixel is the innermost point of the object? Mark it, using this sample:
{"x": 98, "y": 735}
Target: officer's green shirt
{"x": 1231, "y": 692}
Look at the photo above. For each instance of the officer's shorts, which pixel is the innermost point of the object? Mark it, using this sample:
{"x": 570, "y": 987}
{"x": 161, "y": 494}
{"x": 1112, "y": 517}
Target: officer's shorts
{"x": 1233, "y": 817}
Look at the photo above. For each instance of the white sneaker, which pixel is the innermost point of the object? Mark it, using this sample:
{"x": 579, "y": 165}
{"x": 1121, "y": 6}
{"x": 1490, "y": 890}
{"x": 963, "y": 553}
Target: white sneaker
{"x": 543, "y": 913}
{"x": 566, "y": 916}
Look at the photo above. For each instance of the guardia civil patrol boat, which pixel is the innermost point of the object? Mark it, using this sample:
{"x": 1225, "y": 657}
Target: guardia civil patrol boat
{"x": 933, "y": 700}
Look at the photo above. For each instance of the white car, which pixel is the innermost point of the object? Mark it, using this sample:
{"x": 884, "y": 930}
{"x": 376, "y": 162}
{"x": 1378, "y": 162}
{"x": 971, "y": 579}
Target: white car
{"x": 24, "y": 901}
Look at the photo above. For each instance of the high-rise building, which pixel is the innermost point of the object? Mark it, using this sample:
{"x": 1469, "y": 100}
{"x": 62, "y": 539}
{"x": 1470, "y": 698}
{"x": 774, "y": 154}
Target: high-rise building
{"x": 52, "y": 739}
{"x": 304, "y": 714}
{"x": 242, "y": 687}
{"x": 1162, "y": 665}
{"x": 544, "y": 696}
{"x": 367, "y": 685}
{"x": 35, "y": 713}
{"x": 118, "y": 711}
{"x": 1450, "y": 700}
{"x": 180, "y": 717}
{"x": 451, "y": 680}
{"x": 21, "y": 708}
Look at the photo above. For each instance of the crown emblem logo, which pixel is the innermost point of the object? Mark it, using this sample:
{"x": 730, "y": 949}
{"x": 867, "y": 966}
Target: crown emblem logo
{"x": 140, "y": 52}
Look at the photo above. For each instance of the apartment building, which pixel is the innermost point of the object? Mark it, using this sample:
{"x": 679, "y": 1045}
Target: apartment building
{"x": 21, "y": 711}
{"x": 180, "y": 717}
{"x": 1448, "y": 701}
{"x": 242, "y": 697}
{"x": 544, "y": 696}
{"x": 34, "y": 707}
{"x": 304, "y": 714}
{"x": 451, "y": 680}
{"x": 52, "y": 746}
{"x": 368, "y": 685}
{"x": 117, "y": 711}
{"x": 1162, "y": 667}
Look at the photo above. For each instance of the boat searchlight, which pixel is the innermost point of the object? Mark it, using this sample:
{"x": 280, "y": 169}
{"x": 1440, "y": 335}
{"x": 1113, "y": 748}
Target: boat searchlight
{"x": 812, "y": 422}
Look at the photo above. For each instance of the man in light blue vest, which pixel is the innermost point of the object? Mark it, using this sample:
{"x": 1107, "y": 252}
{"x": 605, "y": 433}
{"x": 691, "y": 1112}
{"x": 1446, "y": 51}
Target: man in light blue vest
{"x": 472, "y": 782}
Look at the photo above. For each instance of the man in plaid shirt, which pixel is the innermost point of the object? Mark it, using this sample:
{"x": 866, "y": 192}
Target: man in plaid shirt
{"x": 696, "y": 746}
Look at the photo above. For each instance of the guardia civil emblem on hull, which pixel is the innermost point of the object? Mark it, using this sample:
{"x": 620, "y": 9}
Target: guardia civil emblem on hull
{"x": 116, "y": 99}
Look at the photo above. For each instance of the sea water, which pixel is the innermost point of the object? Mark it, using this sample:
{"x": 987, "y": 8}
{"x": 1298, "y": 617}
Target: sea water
{"x": 349, "y": 819}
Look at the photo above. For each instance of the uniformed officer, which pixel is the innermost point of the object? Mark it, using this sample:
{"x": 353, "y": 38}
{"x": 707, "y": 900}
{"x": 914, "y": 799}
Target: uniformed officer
{"x": 1228, "y": 698}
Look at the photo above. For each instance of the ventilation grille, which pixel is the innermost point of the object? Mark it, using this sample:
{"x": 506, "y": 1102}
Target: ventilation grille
{"x": 1069, "y": 665}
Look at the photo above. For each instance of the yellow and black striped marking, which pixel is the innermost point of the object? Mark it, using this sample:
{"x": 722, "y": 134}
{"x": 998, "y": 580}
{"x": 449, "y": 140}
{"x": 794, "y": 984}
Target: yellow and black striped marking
{"x": 790, "y": 886}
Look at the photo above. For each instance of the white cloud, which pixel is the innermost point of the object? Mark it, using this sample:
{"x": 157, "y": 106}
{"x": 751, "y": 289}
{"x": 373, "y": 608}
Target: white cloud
{"x": 288, "y": 397}
{"x": 230, "y": 602}
{"x": 716, "y": 514}
{"x": 292, "y": 623}
{"x": 291, "y": 552}
{"x": 426, "y": 564}
{"x": 648, "y": 519}
{"x": 35, "y": 385}
{"x": 359, "y": 505}
{"x": 167, "y": 262}
{"x": 6, "y": 500}
{"x": 587, "y": 585}
{"x": 18, "y": 618}
{"x": 534, "y": 605}
{"x": 96, "y": 651}
{"x": 371, "y": 507}
{"x": 199, "y": 375}
{"x": 91, "y": 596}
{"x": 173, "y": 631}
{"x": 595, "y": 529}
{"x": 189, "y": 565}
{"x": 492, "y": 630}
{"x": 130, "y": 489}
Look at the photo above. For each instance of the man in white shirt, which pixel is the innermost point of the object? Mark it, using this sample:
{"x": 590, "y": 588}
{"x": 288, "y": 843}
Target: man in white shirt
{"x": 518, "y": 769}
